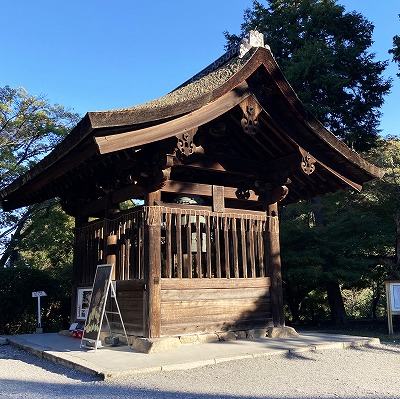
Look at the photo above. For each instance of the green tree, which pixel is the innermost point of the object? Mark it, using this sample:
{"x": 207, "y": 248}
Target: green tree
{"x": 35, "y": 241}
{"x": 324, "y": 53}
{"x": 347, "y": 239}
{"x": 395, "y": 51}
{"x": 387, "y": 190}
{"x": 30, "y": 127}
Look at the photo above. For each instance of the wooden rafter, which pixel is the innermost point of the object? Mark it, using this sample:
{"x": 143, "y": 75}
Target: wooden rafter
{"x": 177, "y": 126}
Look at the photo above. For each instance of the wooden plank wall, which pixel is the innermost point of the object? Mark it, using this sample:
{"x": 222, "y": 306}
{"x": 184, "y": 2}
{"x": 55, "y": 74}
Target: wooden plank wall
{"x": 130, "y": 301}
{"x": 191, "y": 306}
{"x": 88, "y": 251}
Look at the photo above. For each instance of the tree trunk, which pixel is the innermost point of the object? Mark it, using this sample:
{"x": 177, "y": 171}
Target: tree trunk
{"x": 335, "y": 300}
{"x": 10, "y": 254}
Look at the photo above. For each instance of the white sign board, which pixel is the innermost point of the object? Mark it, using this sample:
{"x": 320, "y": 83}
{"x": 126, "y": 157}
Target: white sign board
{"x": 392, "y": 301}
{"x": 36, "y": 294}
{"x": 395, "y": 297}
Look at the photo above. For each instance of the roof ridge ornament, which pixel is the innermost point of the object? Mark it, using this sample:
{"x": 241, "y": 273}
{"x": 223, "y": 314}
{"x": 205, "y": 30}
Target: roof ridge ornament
{"x": 252, "y": 39}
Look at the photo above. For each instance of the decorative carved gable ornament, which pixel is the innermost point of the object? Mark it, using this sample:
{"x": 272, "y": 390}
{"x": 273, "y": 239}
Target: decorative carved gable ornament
{"x": 185, "y": 145}
{"x": 307, "y": 162}
{"x": 252, "y": 39}
{"x": 251, "y": 109}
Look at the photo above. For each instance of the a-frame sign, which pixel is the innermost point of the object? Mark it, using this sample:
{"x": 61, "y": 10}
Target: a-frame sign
{"x": 97, "y": 309}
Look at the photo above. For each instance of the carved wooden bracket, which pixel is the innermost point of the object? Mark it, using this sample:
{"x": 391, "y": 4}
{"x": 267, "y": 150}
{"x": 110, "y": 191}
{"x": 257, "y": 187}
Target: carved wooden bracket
{"x": 243, "y": 193}
{"x": 251, "y": 109}
{"x": 185, "y": 145}
{"x": 272, "y": 193}
{"x": 307, "y": 162}
{"x": 165, "y": 167}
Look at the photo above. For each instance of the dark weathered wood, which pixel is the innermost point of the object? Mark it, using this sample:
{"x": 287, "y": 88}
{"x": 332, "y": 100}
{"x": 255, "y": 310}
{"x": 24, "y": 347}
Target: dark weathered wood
{"x": 243, "y": 246}
{"x": 179, "y": 245}
{"x": 227, "y": 266}
{"x": 210, "y": 294}
{"x": 195, "y": 306}
{"x": 152, "y": 272}
{"x": 274, "y": 265}
{"x": 235, "y": 248}
{"x": 260, "y": 247}
{"x": 111, "y": 251}
{"x": 187, "y": 257}
{"x": 152, "y": 197}
{"x": 184, "y": 284}
{"x": 175, "y": 127}
{"x": 218, "y": 198}
{"x": 205, "y": 190}
{"x": 251, "y": 248}
{"x": 207, "y": 327}
{"x": 130, "y": 301}
{"x": 168, "y": 244}
{"x": 218, "y": 250}
{"x": 199, "y": 247}
{"x": 208, "y": 247}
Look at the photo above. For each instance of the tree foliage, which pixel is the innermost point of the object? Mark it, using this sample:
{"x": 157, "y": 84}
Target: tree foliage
{"x": 323, "y": 52}
{"x": 19, "y": 310}
{"x": 30, "y": 127}
{"x": 347, "y": 238}
{"x": 395, "y": 50}
{"x": 35, "y": 241}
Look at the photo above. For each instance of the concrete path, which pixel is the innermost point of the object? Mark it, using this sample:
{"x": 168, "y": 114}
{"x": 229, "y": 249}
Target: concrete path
{"x": 113, "y": 362}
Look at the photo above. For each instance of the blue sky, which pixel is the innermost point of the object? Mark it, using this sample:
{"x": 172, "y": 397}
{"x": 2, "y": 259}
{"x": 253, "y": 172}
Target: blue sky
{"x": 93, "y": 55}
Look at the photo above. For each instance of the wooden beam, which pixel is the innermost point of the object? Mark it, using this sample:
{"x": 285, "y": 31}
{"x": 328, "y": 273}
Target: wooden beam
{"x": 178, "y": 187}
{"x": 244, "y": 167}
{"x": 99, "y": 205}
{"x": 180, "y": 125}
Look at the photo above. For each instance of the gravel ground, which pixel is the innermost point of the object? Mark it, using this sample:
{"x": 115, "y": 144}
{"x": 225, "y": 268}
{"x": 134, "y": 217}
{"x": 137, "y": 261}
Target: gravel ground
{"x": 365, "y": 372}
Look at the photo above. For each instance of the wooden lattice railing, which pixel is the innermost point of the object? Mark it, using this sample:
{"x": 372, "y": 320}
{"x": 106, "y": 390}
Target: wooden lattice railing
{"x": 195, "y": 243}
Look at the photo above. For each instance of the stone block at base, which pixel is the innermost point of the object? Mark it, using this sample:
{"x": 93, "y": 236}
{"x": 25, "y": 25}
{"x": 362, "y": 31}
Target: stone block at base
{"x": 189, "y": 339}
{"x": 257, "y": 333}
{"x": 153, "y": 345}
{"x": 241, "y": 334}
{"x": 227, "y": 336}
{"x": 206, "y": 338}
{"x": 282, "y": 332}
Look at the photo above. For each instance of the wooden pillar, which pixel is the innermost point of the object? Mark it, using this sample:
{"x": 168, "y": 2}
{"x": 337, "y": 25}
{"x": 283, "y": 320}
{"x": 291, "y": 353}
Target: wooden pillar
{"x": 274, "y": 265}
{"x": 111, "y": 252}
{"x": 76, "y": 265}
{"x": 110, "y": 238}
{"x": 152, "y": 269}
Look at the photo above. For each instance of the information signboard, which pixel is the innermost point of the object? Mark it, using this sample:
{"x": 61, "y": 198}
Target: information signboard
{"x": 84, "y": 295}
{"x": 392, "y": 301}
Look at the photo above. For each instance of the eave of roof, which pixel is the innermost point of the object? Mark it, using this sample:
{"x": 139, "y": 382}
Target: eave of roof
{"x": 212, "y": 83}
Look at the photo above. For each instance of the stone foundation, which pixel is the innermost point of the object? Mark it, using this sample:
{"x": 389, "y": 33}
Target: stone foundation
{"x": 153, "y": 345}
